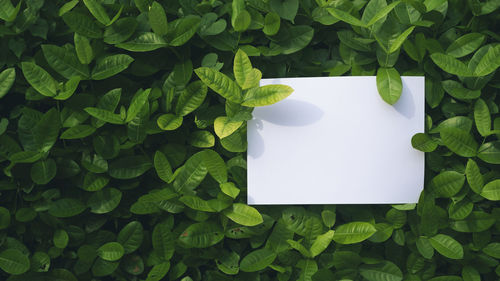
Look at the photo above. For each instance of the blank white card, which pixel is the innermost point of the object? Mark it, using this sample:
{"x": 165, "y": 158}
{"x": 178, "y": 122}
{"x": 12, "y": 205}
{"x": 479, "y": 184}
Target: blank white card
{"x": 335, "y": 141}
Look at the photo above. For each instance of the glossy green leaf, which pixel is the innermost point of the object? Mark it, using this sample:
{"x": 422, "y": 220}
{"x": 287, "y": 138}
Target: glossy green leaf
{"x": 39, "y": 79}
{"x": 104, "y": 200}
{"x": 459, "y": 141}
{"x": 482, "y": 117}
{"x": 66, "y": 207}
{"x": 220, "y": 83}
{"x": 477, "y": 221}
{"x": 465, "y": 45}
{"x": 110, "y": 65}
{"x": 7, "y": 78}
{"x": 181, "y": 30}
{"x": 266, "y": 95}
{"x": 385, "y": 270}
{"x": 105, "y": 115}
{"x": 321, "y": 243}
{"x": 201, "y": 235}
{"x": 131, "y": 236}
{"x": 169, "y": 122}
{"x": 83, "y": 49}
{"x": 60, "y": 238}
{"x": 191, "y": 98}
{"x": 137, "y": 103}
{"x": 456, "y": 90}
{"x": 257, "y": 260}
{"x": 474, "y": 177}
{"x": 423, "y": 142}
{"x": 158, "y": 271}
{"x": 215, "y": 165}
{"x": 202, "y": 139}
{"x": 490, "y": 152}
{"x": 145, "y": 42}
{"x": 447, "y": 246}
{"x": 353, "y": 232}
{"x": 489, "y": 62}
{"x": 491, "y": 190}
{"x": 271, "y": 24}
{"x": 448, "y": 183}
{"x": 158, "y": 19}
{"x": 451, "y": 64}
{"x": 243, "y": 214}
{"x": 82, "y": 24}
{"x": 78, "y": 132}
{"x": 14, "y": 261}
{"x": 389, "y": 85}
{"x": 163, "y": 241}
{"x": 111, "y": 251}
{"x": 192, "y": 174}
{"x": 43, "y": 171}
{"x": 163, "y": 167}
{"x": 129, "y": 167}
{"x": 97, "y": 10}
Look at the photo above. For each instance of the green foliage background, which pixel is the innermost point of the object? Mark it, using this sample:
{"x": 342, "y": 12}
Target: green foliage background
{"x": 119, "y": 163}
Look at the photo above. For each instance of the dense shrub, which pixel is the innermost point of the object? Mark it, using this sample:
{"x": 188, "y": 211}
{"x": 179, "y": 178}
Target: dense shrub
{"x": 122, "y": 146}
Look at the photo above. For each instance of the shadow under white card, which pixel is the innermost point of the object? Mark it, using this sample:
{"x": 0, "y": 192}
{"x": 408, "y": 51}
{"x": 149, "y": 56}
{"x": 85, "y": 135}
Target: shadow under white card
{"x": 335, "y": 141}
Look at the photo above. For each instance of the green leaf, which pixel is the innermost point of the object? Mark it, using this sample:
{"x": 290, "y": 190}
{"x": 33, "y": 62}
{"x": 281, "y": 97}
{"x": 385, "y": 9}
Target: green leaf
{"x": 158, "y": 19}
{"x": 182, "y": 29}
{"x": 353, "y": 232}
{"x": 241, "y": 21}
{"x": 66, "y": 207}
{"x": 120, "y": 31}
{"x": 129, "y": 167}
{"x": 423, "y": 142}
{"x": 482, "y": 117}
{"x": 489, "y": 62}
{"x": 224, "y": 126}
{"x": 346, "y": 17}
{"x": 196, "y": 203}
{"x": 244, "y": 214}
{"x": 389, "y": 85}
{"x": 474, "y": 177}
{"x": 491, "y": 190}
{"x": 104, "y": 200}
{"x": 229, "y": 189}
{"x": 163, "y": 167}
{"x": 457, "y": 91}
{"x": 241, "y": 67}
{"x": 490, "y": 152}
{"x": 169, "y": 122}
{"x": 191, "y": 98}
{"x": 257, "y": 260}
{"x": 14, "y": 261}
{"x": 83, "y": 49}
{"x": 158, "y": 271}
{"x": 163, "y": 241}
{"x": 385, "y": 270}
{"x": 202, "y": 235}
{"x": 396, "y": 44}
{"x": 46, "y": 131}
{"x": 202, "y": 139}
{"x": 111, "y": 251}
{"x": 4, "y": 217}
{"x": 145, "y": 42}
{"x": 447, "y": 246}
{"x": 451, "y": 64}
{"x": 60, "y": 238}
{"x": 308, "y": 269}
{"x": 131, "y": 236}
{"x": 271, "y": 24}
{"x": 43, "y": 171}
{"x": 97, "y": 10}
{"x": 465, "y": 45}
{"x": 477, "y": 221}
{"x": 459, "y": 141}
{"x": 266, "y": 95}
{"x": 492, "y": 250}
{"x": 220, "y": 83}
{"x": 78, "y": 132}
{"x": 295, "y": 39}
{"x": 321, "y": 243}
{"x": 379, "y": 13}
{"x": 8, "y": 12}
{"x": 215, "y": 165}
{"x": 137, "y": 103}
{"x": 110, "y": 65}
{"x": 105, "y": 115}
{"x": 82, "y": 24}
{"x": 39, "y": 79}
{"x": 448, "y": 183}
{"x": 7, "y": 78}
{"x": 191, "y": 175}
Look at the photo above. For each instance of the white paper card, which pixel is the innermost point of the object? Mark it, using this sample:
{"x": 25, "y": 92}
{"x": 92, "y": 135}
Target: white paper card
{"x": 335, "y": 141}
